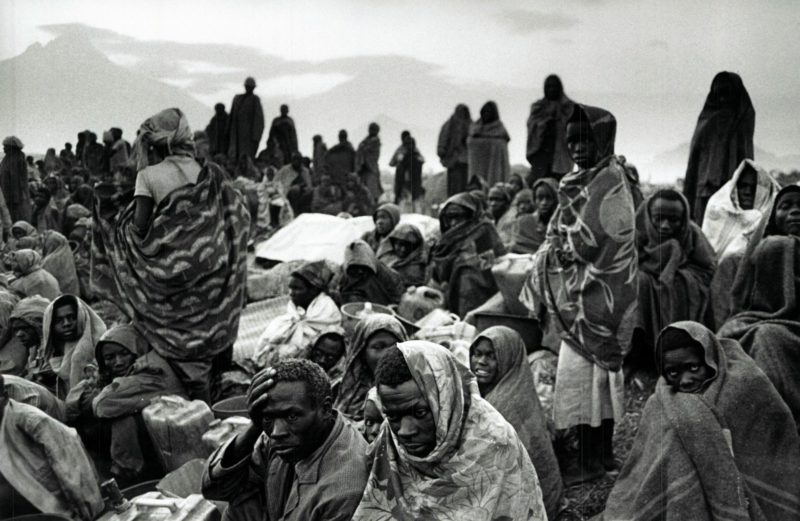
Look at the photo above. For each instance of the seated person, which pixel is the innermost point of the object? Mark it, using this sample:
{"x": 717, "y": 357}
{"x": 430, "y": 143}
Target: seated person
{"x": 12, "y": 357}
{"x": 310, "y": 311}
{"x": 327, "y": 197}
{"x": 327, "y": 351}
{"x": 70, "y": 333}
{"x": 358, "y": 200}
{"x": 373, "y": 419}
{"x": 25, "y": 323}
{"x": 501, "y": 212}
{"x": 676, "y": 264}
{"x": 31, "y": 278}
{"x": 714, "y": 438}
{"x": 373, "y": 334}
{"x": 765, "y": 319}
{"x": 24, "y": 391}
{"x": 409, "y": 255}
{"x": 43, "y": 465}
{"x": 295, "y": 182}
{"x": 366, "y": 279}
{"x": 732, "y": 215}
{"x": 386, "y": 217}
{"x": 59, "y": 261}
{"x": 298, "y": 459}
{"x": 500, "y": 365}
{"x": 463, "y": 257}
{"x": 128, "y": 375}
{"x": 530, "y": 227}
{"x": 445, "y": 453}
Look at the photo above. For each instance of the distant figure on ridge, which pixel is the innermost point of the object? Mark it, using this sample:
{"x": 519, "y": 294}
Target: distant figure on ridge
{"x": 367, "y": 155}
{"x": 217, "y": 131}
{"x": 452, "y": 149}
{"x": 340, "y": 159}
{"x": 283, "y": 131}
{"x": 246, "y": 122}
{"x": 547, "y": 126}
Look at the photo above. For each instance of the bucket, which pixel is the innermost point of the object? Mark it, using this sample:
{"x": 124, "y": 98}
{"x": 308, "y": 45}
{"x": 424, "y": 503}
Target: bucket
{"x": 527, "y": 328}
{"x": 233, "y": 406}
{"x": 355, "y": 311}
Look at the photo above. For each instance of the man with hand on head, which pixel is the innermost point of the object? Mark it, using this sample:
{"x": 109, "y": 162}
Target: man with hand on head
{"x": 298, "y": 459}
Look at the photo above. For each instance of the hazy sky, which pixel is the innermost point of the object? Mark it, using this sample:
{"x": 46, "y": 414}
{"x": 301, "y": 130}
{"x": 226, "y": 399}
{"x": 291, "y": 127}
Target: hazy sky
{"x": 614, "y": 45}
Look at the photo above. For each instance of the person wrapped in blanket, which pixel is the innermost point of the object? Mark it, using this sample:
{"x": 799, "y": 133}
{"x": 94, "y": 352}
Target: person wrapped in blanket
{"x": 25, "y": 333}
{"x": 585, "y": 274}
{"x": 765, "y": 318}
{"x": 502, "y": 212}
{"x": 715, "y": 440}
{"x": 443, "y": 452}
{"x": 366, "y": 279}
{"x": 536, "y": 206}
{"x": 124, "y": 377}
{"x": 409, "y": 255}
{"x": 310, "y": 311}
{"x": 43, "y": 465}
{"x": 463, "y": 256}
{"x": 175, "y": 260}
{"x": 386, "y": 218}
{"x": 30, "y": 278}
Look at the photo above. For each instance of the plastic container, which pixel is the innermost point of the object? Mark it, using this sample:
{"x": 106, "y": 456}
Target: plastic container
{"x": 155, "y": 506}
{"x": 233, "y": 406}
{"x": 176, "y": 427}
{"x": 220, "y": 431}
{"x": 139, "y": 489}
{"x": 528, "y": 328}
{"x": 355, "y": 311}
{"x": 418, "y": 302}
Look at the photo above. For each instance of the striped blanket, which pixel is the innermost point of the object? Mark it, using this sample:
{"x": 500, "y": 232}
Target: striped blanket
{"x": 182, "y": 284}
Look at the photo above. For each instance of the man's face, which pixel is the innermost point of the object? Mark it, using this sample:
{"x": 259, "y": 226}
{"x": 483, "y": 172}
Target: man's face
{"x": 301, "y": 293}
{"x": 327, "y": 352}
{"x": 117, "y": 359}
{"x": 787, "y": 214}
{"x": 26, "y": 335}
{"x": 667, "y": 217}
{"x": 685, "y": 369}
{"x": 746, "y": 189}
{"x": 293, "y": 422}
{"x": 410, "y": 417}
{"x": 497, "y": 205}
{"x": 65, "y": 322}
{"x": 383, "y": 223}
{"x": 580, "y": 144}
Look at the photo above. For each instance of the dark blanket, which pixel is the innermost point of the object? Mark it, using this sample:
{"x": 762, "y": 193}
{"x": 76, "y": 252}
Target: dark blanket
{"x": 729, "y": 452}
{"x": 183, "y": 283}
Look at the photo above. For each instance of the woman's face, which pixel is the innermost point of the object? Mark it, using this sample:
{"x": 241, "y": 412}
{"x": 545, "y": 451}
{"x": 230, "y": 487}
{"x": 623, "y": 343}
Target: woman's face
{"x": 545, "y": 200}
{"x": 376, "y": 347}
{"x": 483, "y": 363}
{"x": 787, "y": 214}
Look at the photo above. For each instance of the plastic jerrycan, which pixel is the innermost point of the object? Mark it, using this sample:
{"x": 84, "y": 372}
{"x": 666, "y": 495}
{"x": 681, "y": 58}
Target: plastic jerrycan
{"x": 220, "y": 431}
{"x": 176, "y": 427}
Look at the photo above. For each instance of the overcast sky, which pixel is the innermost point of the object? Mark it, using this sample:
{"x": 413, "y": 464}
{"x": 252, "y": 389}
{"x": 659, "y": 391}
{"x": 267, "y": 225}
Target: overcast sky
{"x": 615, "y": 45}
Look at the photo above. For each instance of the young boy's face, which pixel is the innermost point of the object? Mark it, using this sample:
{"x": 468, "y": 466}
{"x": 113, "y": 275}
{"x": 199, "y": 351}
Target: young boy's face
{"x": 685, "y": 369}
{"x": 372, "y": 421}
{"x": 581, "y": 145}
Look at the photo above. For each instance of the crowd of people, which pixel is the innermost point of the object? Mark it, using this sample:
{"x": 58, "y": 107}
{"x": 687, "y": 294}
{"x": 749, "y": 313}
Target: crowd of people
{"x": 124, "y": 278}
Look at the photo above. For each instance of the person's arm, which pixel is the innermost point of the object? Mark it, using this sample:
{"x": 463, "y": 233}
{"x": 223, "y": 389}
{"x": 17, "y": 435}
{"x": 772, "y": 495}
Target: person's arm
{"x": 143, "y": 213}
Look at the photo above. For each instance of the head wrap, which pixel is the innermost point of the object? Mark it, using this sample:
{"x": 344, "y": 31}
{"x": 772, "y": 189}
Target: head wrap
{"x": 170, "y": 128}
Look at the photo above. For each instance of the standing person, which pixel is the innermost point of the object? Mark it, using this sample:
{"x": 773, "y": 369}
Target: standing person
{"x": 585, "y": 274}
{"x": 81, "y": 146}
{"x": 93, "y": 156}
{"x": 487, "y": 147}
{"x": 199, "y": 217}
{"x": 119, "y": 152}
{"x": 452, "y": 149}
{"x": 367, "y": 155}
{"x": 340, "y": 159}
{"x": 246, "y": 122}
{"x": 318, "y": 160}
{"x": 547, "y": 145}
{"x": 283, "y": 130}
{"x": 722, "y": 139}
{"x": 14, "y": 180}
{"x": 407, "y": 161}
{"x": 67, "y": 155}
{"x": 217, "y": 131}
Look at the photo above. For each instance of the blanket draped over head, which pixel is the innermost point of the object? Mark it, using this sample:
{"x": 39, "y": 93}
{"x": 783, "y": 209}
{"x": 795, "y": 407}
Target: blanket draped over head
{"x": 478, "y": 470}
{"x": 383, "y": 286}
{"x": 674, "y": 275}
{"x": 45, "y": 462}
{"x": 728, "y": 452}
{"x": 452, "y": 144}
{"x": 487, "y": 147}
{"x": 585, "y": 271}
{"x": 367, "y": 155}
{"x": 464, "y": 255}
{"x": 722, "y": 138}
{"x": 514, "y": 397}
{"x": 182, "y": 283}
{"x": 548, "y": 121}
{"x": 413, "y": 269}
{"x": 357, "y": 377}
{"x": 765, "y": 303}
{"x": 32, "y": 279}
{"x": 59, "y": 261}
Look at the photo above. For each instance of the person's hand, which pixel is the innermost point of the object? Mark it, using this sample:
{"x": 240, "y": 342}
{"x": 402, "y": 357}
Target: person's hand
{"x": 258, "y": 395}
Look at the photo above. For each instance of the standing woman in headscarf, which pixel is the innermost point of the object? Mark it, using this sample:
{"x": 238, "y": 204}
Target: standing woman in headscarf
{"x": 14, "y": 180}
{"x": 463, "y": 257}
{"x": 499, "y": 362}
{"x": 487, "y": 146}
{"x": 722, "y": 139}
{"x": 452, "y": 149}
{"x": 175, "y": 260}
{"x": 547, "y": 144}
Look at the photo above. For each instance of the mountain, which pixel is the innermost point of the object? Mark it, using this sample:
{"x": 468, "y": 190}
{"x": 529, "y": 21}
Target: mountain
{"x": 67, "y": 85}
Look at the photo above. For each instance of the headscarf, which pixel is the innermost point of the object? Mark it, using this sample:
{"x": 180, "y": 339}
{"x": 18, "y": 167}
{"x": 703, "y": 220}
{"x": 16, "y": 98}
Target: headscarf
{"x": 726, "y": 224}
{"x": 30, "y": 311}
{"x": 514, "y": 396}
{"x": 59, "y": 261}
{"x": 316, "y": 274}
{"x": 26, "y": 261}
{"x": 13, "y": 141}
{"x": 125, "y": 335}
{"x": 772, "y": 225}
{"x": 410, "y": 234}
{"x": 170, "y": 128}
{"x": 27, "y": 228}
{"x": 383, "y": 287}
{"x": 724, "y": 460}
{"x": 603, "y": 126}
{"x": 452, "y": 144}
{"x": 357, "y": 377}
{"x": 8, "y": 301}
{"x": 379, "y": 244}
{"x": 478, "y": 469}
